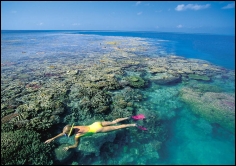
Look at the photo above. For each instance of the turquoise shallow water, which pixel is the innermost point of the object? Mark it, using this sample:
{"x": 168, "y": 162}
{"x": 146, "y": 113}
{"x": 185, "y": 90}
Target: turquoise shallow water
{"x": 196, "y": 141}
{"x": 186, "y": 137}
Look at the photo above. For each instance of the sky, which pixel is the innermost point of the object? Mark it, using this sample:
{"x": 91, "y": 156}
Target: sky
{"x": 216, "y": 17}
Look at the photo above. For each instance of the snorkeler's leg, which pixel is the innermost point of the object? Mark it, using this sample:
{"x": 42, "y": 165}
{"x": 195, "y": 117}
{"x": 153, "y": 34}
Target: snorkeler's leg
{"x": 111, "y": 128}
{"x": 107, "y": 123}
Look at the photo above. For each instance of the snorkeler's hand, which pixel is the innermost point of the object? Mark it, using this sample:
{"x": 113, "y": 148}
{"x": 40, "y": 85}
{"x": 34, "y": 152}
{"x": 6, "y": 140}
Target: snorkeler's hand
{"x": 66, "y": 148}
{"x": 48, "y": 141}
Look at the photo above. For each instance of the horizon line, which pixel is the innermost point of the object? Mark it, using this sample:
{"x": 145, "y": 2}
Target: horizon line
{"x": 120, "y": 31}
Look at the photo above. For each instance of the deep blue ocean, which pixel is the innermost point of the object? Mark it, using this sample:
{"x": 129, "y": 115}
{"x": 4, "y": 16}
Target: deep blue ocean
{"x": 191, "y": 139}
{"x": 217, "y": 49}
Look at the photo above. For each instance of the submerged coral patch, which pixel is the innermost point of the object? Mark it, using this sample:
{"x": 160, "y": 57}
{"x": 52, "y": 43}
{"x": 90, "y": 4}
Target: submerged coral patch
{"x": 199, "y": 77}
{"x": 136, "y": 81}
{"x": 215, "y": 107}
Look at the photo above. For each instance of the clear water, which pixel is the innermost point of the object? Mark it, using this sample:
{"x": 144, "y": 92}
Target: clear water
{"x": 190, "y": 139}
{"x": 218, "y": 49}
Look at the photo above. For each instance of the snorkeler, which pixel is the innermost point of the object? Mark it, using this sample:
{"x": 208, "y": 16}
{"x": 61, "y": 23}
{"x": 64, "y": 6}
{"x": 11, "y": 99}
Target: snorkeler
{"x": 96, "y": 127}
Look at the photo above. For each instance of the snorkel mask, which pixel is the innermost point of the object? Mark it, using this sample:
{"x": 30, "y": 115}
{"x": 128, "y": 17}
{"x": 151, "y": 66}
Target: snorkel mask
{"x": 70, "y": 130}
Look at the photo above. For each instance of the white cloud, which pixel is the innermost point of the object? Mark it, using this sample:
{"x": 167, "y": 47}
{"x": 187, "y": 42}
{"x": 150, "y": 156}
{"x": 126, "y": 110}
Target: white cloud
{"x": 13, "y": 11}
{"x": 41, "y": 23}
{"x": 191, "y": 6}
{"x": 229, "y": 6}
{"x": 180, "y": 7}
{"x": 139, "y": 13}
{"x": 179, "y": 26}
{"x": 137, "y": 3}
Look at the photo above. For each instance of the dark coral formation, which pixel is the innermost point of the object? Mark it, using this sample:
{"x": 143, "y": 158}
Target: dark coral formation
{"x": 23, "y": 147}
{"x": 199, "y": 77}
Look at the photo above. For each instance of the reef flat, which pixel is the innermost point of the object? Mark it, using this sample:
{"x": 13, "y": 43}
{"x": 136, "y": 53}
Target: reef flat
{"x": 113, "y": 79}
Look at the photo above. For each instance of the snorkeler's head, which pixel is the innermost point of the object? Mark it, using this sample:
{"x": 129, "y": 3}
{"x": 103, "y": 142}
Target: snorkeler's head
{"x": 67, "y": 130}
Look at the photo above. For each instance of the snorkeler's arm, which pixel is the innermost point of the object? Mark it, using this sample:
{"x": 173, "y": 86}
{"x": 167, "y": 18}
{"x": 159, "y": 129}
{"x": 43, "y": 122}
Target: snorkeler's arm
{"x": 76, "y": 143}
{"x": 51, "y": 139}
{"x": 73, "y": 146}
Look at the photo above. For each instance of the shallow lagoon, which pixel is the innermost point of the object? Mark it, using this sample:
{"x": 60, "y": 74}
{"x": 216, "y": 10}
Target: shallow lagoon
{"x": 40, "y": 69}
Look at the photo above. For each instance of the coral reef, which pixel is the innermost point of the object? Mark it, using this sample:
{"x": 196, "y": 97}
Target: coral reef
{"x": 113, "y": 79}
{"x": 37, "y": 110}
{"x": 205, "y": 87}
{"x": 87, "y": 100}
{"x": 214, "y": 107}
{"x": 92, "y": 144}
{"x": 166, "y": 78}
{"x": 61, "y": 155}
{"x": 135, "y": 81}
{"x": 9, "y": 117}
{"x": 23, "y": 147}
{"x": 199, "y": 77}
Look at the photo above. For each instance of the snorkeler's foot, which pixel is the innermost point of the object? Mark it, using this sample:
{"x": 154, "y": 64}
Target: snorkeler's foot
{"x": 138, "y": 117}
{"x": 140, "y": 127}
